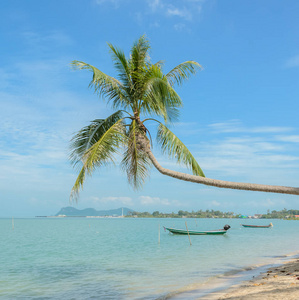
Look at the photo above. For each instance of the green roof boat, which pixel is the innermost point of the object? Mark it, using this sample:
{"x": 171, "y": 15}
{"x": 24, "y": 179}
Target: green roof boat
{"x": 193, "y": 232}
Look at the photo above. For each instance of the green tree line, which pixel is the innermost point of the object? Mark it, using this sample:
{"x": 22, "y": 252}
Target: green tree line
{"x": 282, "y": 214}
{"x": 185, "y": 214}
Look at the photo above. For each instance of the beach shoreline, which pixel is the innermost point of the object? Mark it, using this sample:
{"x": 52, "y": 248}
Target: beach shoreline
{"x": 276, "y": 280}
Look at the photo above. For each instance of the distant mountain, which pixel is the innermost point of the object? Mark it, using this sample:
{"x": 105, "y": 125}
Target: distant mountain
{"x": 74, "y": 212}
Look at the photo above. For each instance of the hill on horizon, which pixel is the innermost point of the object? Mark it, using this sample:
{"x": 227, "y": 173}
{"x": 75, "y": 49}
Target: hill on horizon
{"x": 74, "y": 212}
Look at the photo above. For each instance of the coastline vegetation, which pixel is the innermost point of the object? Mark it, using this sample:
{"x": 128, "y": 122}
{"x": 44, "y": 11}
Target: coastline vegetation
{"x": 282, "y": 214}
{"x": 291, "y": 214}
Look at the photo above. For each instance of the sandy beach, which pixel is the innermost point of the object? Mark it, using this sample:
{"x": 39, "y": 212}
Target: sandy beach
{"x": 280, "y": 282}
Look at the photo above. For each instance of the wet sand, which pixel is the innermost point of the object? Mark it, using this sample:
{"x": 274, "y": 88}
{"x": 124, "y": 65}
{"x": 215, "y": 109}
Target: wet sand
{"x": 280, "y": 282}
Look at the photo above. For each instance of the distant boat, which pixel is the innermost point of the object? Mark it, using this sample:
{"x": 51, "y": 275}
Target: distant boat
{"x": 257, "y": 226}
{"x": 193, "y": 232}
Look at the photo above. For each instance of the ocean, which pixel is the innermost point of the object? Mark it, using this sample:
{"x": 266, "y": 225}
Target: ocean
{"x": 131, "y": 258}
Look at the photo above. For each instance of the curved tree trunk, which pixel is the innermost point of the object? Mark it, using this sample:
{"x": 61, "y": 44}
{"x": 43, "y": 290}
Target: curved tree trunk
{"x": 220, "y": 183}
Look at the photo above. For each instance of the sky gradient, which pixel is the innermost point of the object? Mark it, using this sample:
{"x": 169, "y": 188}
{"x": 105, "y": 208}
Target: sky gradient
{"x": 240, "y": 115}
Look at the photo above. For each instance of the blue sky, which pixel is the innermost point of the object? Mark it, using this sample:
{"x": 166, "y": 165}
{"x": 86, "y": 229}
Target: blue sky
{"x": 240, "y": 114}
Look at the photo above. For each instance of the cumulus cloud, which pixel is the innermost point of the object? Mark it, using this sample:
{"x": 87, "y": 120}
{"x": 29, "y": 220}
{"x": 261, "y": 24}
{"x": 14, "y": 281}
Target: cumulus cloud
{"x": 154, "y": 201}
{"x": 112, "y": 199}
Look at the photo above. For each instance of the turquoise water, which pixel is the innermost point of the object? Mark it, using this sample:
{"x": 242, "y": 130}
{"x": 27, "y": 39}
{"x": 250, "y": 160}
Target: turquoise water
{"x": 84, "y": 258}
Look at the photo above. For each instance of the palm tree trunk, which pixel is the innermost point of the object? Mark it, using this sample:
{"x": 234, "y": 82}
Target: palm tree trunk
{"x": 221, "y": 183}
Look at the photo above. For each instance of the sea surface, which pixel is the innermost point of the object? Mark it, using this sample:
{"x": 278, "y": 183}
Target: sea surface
{"x": 126, "y": 258}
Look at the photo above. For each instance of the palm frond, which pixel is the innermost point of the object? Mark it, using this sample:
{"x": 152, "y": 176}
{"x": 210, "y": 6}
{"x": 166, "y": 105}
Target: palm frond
{"x": 182, "y": 72}
{"x": 105, "y": 85}
{"x": 95, "y": 146}
{"x": 172, "y": 114}
{"x": 171, "y": 144}
{"x": 102, "y": 152}
{"x": 159, "y": 96}
{"x": 135, "y": 162}
{"x": 83, "y": 140}
{"x": 160, "y": 63}
{"x": 78, "y": 184}
{"x": 121, "y": 64}
{"x": 139, "y": 53}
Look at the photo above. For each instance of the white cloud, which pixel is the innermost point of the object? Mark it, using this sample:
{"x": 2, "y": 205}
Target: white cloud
{"x": 148, "y": 200}
{"x": 267, "y": 203}
{"x": 236, "y": 126}
{"x": 112, "y": 199}
{"x": 38, "y": 118}
{"x": 154, "y": 4}
{"x": 179, "y": 12}
{"x": 288, "y": 138}
{"x": 244, "y": 156}
{"x": 215, "y": 203}
{"x": 247, "y": 155}
{"x": 182, "y": 9}
{"x": 292, "y": 62}
{"x": 270, "y": 129}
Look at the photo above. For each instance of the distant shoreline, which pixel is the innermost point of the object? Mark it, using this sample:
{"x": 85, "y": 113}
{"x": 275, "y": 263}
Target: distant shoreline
{"x": 163, "y": 217}
{"x": 70, "y": 211}
{"x": 61, "y": 217}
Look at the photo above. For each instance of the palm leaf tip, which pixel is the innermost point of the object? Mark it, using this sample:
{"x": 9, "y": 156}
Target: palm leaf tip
{"x": 78, "y": 65}
{"x": 183, "y": 71}
{"x": 175, "y": 148}
{"x": 78, "y": 185}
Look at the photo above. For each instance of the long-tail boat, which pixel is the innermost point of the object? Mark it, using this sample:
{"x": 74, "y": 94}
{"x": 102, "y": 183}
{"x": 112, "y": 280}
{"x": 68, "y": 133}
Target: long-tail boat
{"x": 193, "y": 232}
{"x": 258, "y": 226}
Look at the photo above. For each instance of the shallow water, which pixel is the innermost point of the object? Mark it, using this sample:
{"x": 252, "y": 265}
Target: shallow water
{"x": 84, "y": 258}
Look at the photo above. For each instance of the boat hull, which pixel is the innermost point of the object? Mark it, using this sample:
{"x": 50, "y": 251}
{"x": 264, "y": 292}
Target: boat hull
{"x": 257, "y": 226}
{"x": 193, "y": 232}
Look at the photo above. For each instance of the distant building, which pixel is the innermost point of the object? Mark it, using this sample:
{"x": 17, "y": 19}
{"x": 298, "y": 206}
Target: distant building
{"x": 296, "y": 216}
{"x": 257, "y": 216}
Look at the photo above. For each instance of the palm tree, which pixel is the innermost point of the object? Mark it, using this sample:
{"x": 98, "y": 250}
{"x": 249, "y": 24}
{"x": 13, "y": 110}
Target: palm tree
{"x": 142, "y": 89}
